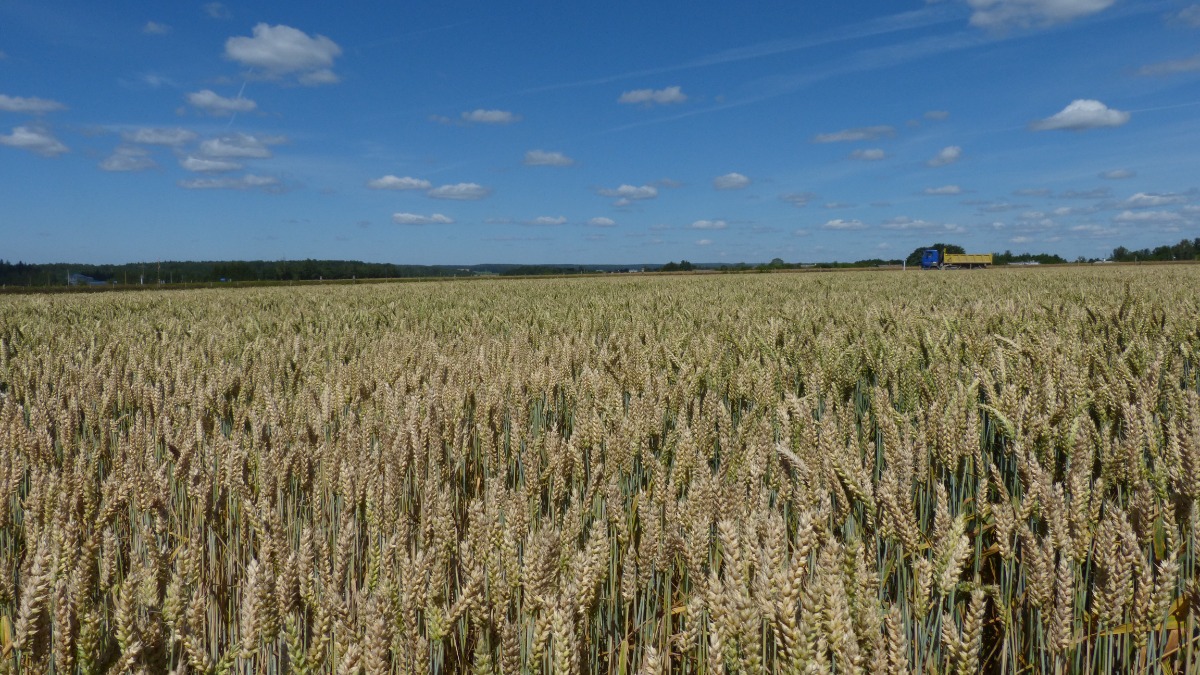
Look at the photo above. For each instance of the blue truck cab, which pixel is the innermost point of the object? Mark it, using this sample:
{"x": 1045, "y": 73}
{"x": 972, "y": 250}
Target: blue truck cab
{"x": 930, "y": 259}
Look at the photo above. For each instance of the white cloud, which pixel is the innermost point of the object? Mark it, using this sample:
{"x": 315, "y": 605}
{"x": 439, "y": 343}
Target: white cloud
{"x": 937, "y": 115}
{"x": 316, "y": 78}
{"x": 1147, "y": 217}
{"x": 35, "y": 140}
{"x": 216, "y": 10}
{"x": 1189, "y": 16}
{"x": 151, "y": 136}
{"x": 391, "y": 182}
{"x": 602, "y": 222}
{"x": 944, "y": 190}
{"x": 247, "y": 182}
{"x": 856, "y": 134}
{"x": 801, "y": 233}
{"x": 202, "y": 165}
{"x": 460, "y": 191}
{"x": 481, "y": 116}
{"x": 544, "y": 158}
{"x": 1032, "y": 192}
{"x": 948, "y": 155}
{"x": 906, "y": 223}
{"x": 630, "y": 192}
{"x": 710, "y": 225}
{"x": 869, "y": 154}
{"x": 240, "y": 146}
{"x": 1020, "y": 240}
{"x": 1118, "y": 174}
{"x": 215, "y": 104}
{"x": 280, "y": 50}
{"x": 1172, "y": 67}
{"x": 703, "y": 242}
{"x": 128, "y": 158}
{"x": 798, "y": 199}
{"x": 1143, "y": 200}
{"x": 842, "y": 224}
{"x": 1025, "y": 13}
{"x": 417, "y": 219}
{"x": 731, "y": 181}
{"x": 156, "y": 28}
{"x": 652, "y": 96}
{"x": 548, "y": 220}
{"x": 1080, "y": 115}
{"x": 32, "y": 104}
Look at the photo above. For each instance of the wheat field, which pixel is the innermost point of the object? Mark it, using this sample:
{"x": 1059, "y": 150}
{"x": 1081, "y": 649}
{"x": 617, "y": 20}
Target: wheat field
{"x": 967, "y": 472}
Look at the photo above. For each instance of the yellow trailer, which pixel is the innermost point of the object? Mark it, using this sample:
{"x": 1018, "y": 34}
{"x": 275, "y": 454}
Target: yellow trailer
{"x": 966, "y": 259}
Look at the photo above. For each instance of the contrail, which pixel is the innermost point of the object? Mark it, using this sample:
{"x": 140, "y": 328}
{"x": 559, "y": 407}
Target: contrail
{"x": 239, "y": 97}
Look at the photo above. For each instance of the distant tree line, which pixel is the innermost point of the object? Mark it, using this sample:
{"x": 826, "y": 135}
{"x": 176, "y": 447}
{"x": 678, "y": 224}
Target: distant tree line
{"x": 1184, "y": 250}
{"x": 56, "y": 274}
{"x": 172, "y": 272}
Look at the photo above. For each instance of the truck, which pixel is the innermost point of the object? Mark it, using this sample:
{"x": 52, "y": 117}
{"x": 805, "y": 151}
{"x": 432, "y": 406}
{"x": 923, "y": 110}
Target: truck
{"x": 933, "y": 259}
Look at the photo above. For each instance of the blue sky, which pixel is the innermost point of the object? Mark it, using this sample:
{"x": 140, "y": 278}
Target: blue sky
{"x": 594, "y": 132}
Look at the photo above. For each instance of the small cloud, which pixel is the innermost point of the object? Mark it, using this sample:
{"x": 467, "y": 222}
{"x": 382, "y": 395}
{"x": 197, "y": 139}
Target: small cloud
{"x": 1188, "y": 16}
{"x": 798, "y": 199}
{"x": 217, "y": 10}
{"x": 709, "y": 225}
{"x": 629, "y": 193}
{"x": 1172, "y": 67}
{"x": 34, "y": 139}
{"x": 730, "y": 181}
{"x": 215, "y": 104}
{"x": 667, "y": 183}
{"x": 240, "y": 146}
{"x": 316, "y": 78}
{"x": 202, "y": 165}
{"x": 703, "y": 242}
{"x": 944, "y": 190}
{"x": 906, "y": 223}
{"x": 883, "y": 246}
{"x": 869, "y": 155}
{"x": 247, "y": 182}
{"x": 1081, "y": 115}
{"x": 31, "y": 104}
{"x": 1143, "y": 200}
{"x": 801, "y": 233}
{"x": 602, "y": 222}
{"x": 490, "y": 117}
{"x": 282, "y": 50}
{"x": 128, "y": 158}
{"x": 548, "y": 220}
{"x": 948, "y": 155}
{"x": 417, "y": 219}
{"x": 1147, "y": 217}
{"x": 545, "y": 158}
{"x": 843, "y": 224}
{"x": 653, "y": 96}
{"x": 837, "y": 205}
{"x": 151, "y": 136}
{"x": 460, "y": 191}
{"x": 390, "y": 182}
{"x": 156, "y": 28}
{"x": 1118, "y": 174}
{"x": 856, "y": 134}
{"x": 1096, "y": 193}
{"x": 1021, "y": 239}
{"x": 999, "y": 14}
{"x": 936, "y": 115}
